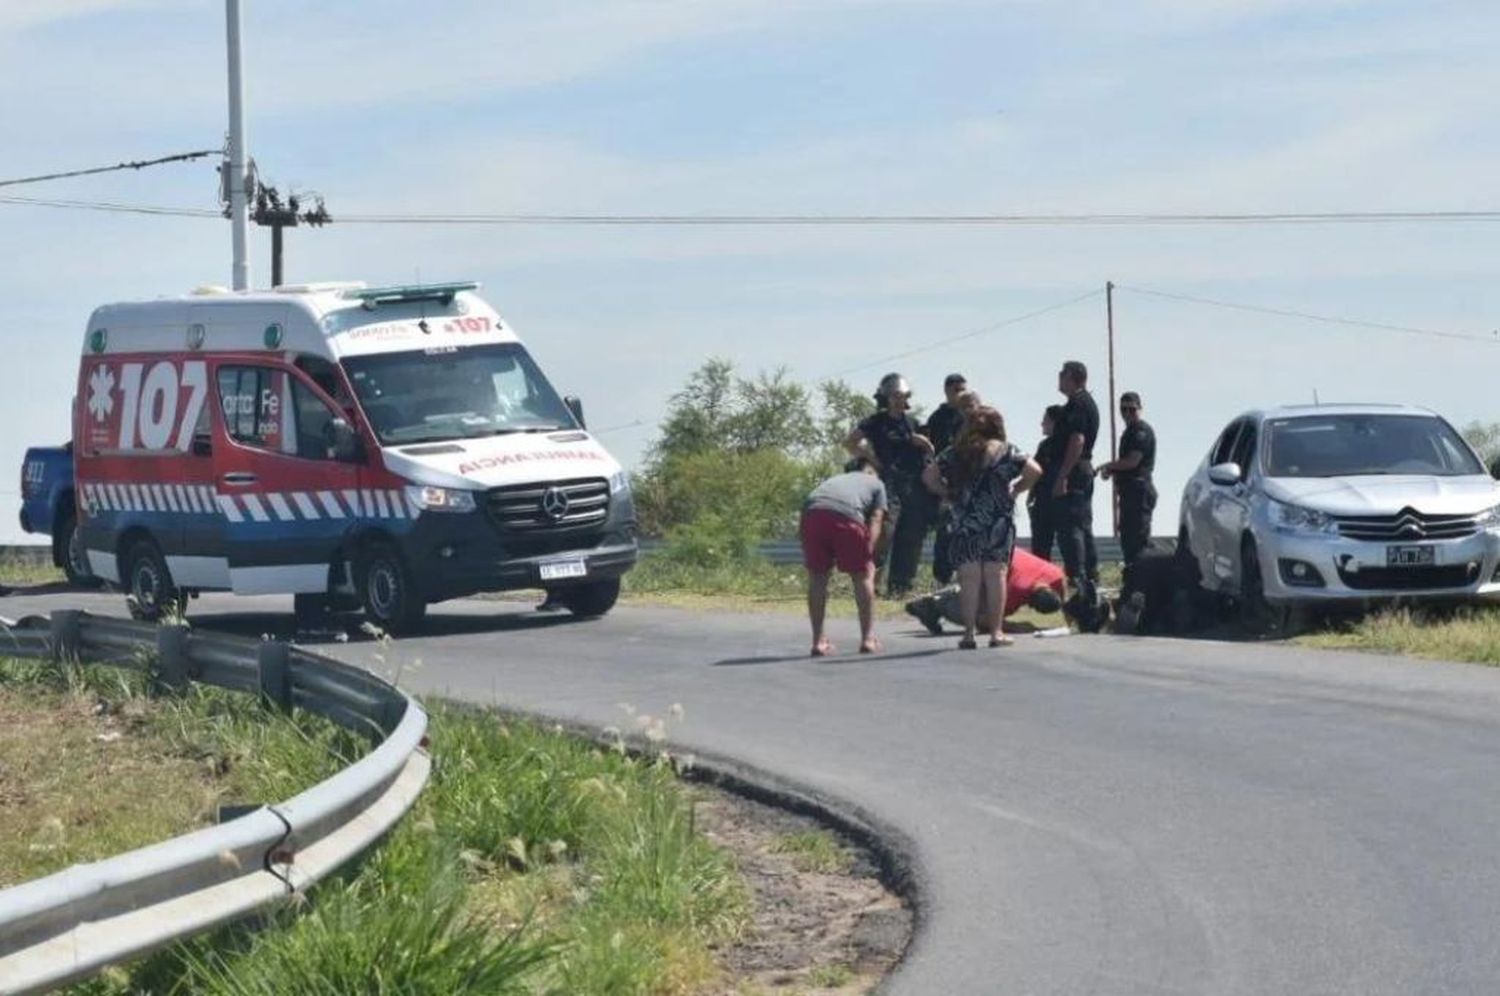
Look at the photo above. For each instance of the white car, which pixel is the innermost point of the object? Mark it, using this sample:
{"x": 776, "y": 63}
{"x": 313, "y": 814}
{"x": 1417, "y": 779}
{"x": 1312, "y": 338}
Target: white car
{"x": 1346, "y": 503}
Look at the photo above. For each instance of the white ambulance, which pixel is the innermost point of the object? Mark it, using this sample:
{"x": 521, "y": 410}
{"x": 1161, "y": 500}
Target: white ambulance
{"x": 385, "y": 447}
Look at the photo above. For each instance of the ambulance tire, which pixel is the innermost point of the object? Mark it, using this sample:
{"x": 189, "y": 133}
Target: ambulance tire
{"x": 388, "y": 590}
{"x": 149, "y": 590}
{"x": 70, "y": 553}
{"x": 592, "y": 600}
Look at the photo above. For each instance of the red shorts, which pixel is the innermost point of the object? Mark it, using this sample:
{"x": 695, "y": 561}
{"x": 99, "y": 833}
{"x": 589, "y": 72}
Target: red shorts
{"x": 829, "y": 538}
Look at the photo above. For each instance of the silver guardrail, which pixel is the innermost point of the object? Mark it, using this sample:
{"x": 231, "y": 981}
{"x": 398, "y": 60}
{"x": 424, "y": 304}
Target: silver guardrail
{"x": 69, "y": 925}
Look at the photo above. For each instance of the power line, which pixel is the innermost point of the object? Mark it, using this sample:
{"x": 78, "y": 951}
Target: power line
{"x": 834, "y": 220}
{"x": 134, "y": 164}
{"x": 1308, "y": 316}
{"x": 1016, "y": 320}
{"x": 110, "y": 206}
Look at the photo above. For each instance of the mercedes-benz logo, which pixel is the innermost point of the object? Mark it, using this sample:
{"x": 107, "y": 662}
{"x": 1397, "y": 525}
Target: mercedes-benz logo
{"x": 555, "y": 503}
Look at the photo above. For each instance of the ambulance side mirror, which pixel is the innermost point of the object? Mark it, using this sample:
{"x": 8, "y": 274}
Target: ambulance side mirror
{"x": 344, "y": 442}
{"x": 576, "y": 407}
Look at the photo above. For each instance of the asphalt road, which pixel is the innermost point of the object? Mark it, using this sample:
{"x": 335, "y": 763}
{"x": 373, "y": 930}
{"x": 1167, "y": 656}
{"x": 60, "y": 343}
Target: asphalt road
{"x": 1090, "y": 814}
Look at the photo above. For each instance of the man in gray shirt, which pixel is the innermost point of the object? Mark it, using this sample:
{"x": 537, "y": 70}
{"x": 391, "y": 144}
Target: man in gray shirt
{"x": 841, "y": 523}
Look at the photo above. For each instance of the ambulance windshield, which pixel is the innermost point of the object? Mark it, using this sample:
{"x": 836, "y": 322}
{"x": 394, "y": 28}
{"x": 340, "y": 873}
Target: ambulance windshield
{"x": 455, "y": 393}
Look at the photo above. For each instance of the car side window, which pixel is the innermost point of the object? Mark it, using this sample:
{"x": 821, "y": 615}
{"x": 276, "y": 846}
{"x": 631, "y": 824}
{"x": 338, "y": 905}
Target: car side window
{"x": 270, "y": 409}
{"x": 1244, "y": 449}
{"x": 314, "y": 421}
{"x": 1225, "y": 446}
{"x": 252, "y": 403}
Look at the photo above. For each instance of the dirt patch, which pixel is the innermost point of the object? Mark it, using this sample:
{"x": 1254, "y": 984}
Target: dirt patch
{"x": 80, "y": 782}
{"x": 818, "y": 925}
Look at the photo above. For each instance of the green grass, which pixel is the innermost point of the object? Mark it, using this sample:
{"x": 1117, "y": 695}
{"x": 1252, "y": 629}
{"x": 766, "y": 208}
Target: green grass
{"x": 830, "y": 976}
{"x": 1471, "y": 635}
{"x": 26, "y": 571}
{"x": 534, "y": 862}
{"x": 814, "y": 851}
{"x": 93, "y": 767}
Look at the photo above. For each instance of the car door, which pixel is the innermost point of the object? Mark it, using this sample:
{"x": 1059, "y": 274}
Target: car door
{"x": 1232, "y": 511}
{"x": 1203, "y": 522}
{"x": 282, "y": 490}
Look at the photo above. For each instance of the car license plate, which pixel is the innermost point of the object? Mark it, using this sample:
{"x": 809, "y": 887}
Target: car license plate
{"x": 1410, "y": 556}
{"x": 559, "y": 569}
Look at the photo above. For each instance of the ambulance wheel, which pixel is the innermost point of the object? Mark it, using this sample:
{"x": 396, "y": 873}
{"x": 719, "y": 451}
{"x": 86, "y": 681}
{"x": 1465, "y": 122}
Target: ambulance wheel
{"x": 388, "y": 590}
{"x": 70, "y": 552}
{"x": 592, "y": 600}
{"x": 149, "y": 590}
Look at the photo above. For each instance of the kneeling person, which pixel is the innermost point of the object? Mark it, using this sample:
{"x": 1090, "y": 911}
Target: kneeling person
{"x": 841, "y": 523}
{"x": 1033, "y": 582}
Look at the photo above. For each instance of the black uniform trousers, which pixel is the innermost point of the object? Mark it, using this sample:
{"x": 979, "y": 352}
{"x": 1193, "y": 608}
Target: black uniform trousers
{"x": 1137, "y": 501}
{"x": 1043, "y": 525}
{"x": 908, "y": 514}
{"x": 942, "y": 565}
{"x": 1075, "y": 534}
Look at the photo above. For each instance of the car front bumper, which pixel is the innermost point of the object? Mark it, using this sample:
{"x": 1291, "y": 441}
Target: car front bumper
{"x": 1314, "y": 568}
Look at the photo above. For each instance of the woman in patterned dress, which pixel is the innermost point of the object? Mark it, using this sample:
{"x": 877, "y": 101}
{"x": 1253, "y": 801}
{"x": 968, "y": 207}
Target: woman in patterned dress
{"x": 982, "y": 473}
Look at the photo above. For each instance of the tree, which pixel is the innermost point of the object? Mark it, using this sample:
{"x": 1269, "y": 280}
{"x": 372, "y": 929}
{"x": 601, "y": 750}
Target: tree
{"x": 697, "y": 415}
{"x": 1485, "y": 437}
{"x": 843, "y": 408}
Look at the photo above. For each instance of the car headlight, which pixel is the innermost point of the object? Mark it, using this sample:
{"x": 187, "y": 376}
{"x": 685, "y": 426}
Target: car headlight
{"x": 619, "y": 481}
{"x": 431, "y": 499}
{"x": 1488, "y": 519}
{"x": 1296, "y": 519}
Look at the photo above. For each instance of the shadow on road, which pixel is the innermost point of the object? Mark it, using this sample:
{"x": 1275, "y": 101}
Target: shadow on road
{"x": 350, "y": 629}
{"x": 841, "y": 658}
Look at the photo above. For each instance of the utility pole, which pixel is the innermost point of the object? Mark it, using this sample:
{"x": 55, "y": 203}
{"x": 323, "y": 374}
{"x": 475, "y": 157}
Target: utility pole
{"x": 272, "y": 213}
{"x": 1114, "y": 439}
{"x": 236, "y": 179}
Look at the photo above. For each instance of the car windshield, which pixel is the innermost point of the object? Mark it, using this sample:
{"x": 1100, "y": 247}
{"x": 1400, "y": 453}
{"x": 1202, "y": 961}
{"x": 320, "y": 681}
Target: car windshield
{"x": 455, "y": 393}
{"x": 1360, "y": 445}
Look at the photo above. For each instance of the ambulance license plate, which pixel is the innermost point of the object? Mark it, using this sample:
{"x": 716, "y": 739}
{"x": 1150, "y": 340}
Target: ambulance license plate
{"x": 1410, "y": 556}
{"x": 557, "y": 570}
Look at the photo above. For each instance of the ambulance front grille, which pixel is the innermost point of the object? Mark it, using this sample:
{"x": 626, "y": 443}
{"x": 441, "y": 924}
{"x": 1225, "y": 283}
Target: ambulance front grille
{"x": 533, "y": 511}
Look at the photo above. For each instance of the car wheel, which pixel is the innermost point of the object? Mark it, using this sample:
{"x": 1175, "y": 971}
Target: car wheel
{"x": 388, "y": 591}
{"x": 1257, "y": 615}
{"x": 150, "y": 592}
{"x": 590, "y": 601}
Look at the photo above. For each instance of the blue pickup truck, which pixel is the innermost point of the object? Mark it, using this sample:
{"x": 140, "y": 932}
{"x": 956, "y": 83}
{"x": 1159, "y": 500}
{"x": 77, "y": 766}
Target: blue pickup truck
{"x": 48, "y": 506}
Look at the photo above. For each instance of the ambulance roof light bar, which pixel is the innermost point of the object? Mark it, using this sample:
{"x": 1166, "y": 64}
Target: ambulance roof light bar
{"x": 444, "y": 293}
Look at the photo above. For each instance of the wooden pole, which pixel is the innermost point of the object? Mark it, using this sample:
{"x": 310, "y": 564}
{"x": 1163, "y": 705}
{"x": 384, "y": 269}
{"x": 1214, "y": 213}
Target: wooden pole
{"x": 1114, "y": 439}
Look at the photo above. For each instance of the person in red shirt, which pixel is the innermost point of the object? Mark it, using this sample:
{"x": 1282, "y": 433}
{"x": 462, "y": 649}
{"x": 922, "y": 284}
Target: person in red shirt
{"x": 1032, "y": 582}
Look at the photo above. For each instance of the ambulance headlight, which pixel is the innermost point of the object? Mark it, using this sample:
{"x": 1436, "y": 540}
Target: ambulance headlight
{"x": 619, "y": 481}
{"x": 431, "y": 499}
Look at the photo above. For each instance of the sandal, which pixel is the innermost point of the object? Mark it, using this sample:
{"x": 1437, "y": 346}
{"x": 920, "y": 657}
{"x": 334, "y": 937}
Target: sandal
{"x": 823, "y": 648}
{"x": 872, "y": 646}
{"x": 1001, "y": 641}
{"x": 967, "y": 643}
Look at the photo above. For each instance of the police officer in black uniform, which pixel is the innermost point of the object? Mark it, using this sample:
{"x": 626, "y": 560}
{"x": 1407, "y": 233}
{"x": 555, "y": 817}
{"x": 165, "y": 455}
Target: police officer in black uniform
{"x": 1074, "y": 489}
{"x": 1132, "y": 477}
{"x": 942, "y": 429}
{"x": 1039, "y": 501}
{"x": 894, "y": 440}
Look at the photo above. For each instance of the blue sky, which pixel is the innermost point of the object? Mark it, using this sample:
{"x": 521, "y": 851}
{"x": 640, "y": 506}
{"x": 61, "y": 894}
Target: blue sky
{"x": 859, "y": 106}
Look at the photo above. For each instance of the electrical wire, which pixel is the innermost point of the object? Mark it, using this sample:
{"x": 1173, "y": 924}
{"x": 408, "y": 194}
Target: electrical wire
{"x": 994, "y": 327}
{"x": 135, "y": 164}
{"x": 828, "y": 220}
{"x": 1040, "y": 220}
{"x": 1493, "y": 339}
{"x": 111, "y": 207}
